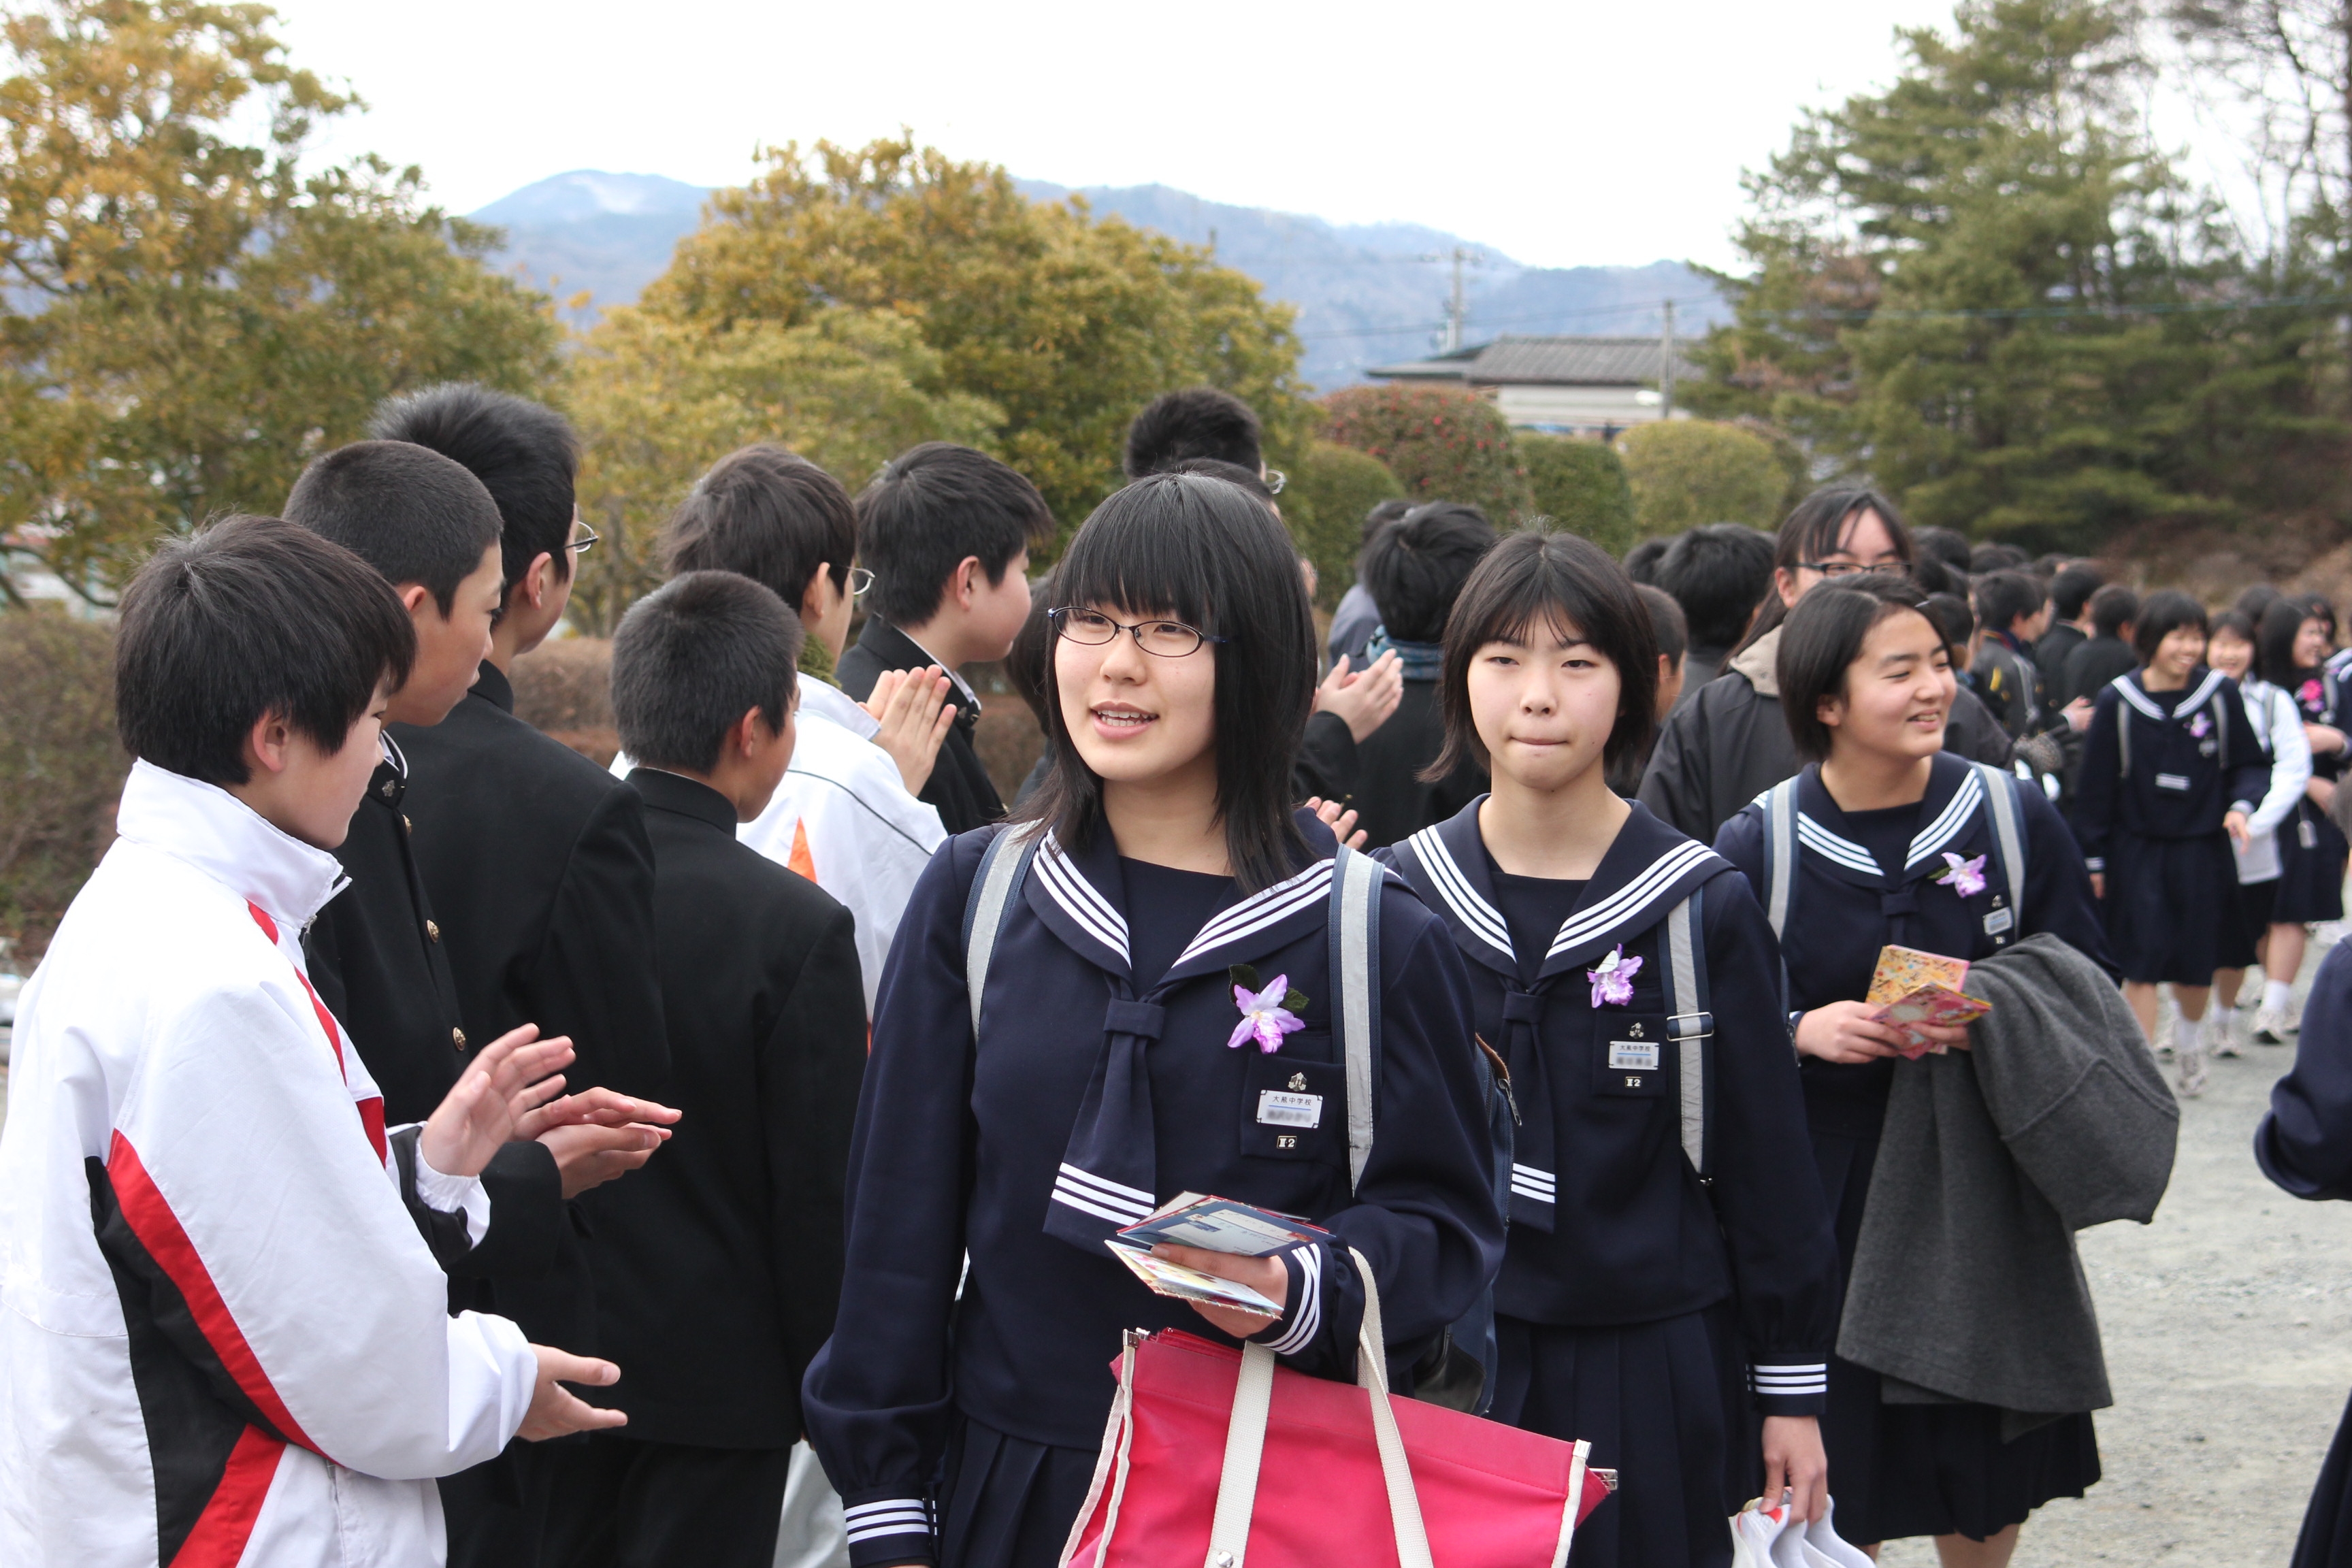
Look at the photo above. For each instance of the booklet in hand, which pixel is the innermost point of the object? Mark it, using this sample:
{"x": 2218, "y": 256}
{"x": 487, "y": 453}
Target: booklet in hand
{"x": 1167, "y": 1279}
{"x": 1914, "y": 987}
{"x": 1221, "y": 1224}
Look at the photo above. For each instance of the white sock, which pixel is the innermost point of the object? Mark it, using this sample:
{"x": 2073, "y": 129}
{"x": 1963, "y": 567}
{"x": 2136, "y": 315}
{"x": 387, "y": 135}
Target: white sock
{"x": 2277, "y": 993}
{"x": 2187, "y": 1033}
{"x": 2223, "y": 1017}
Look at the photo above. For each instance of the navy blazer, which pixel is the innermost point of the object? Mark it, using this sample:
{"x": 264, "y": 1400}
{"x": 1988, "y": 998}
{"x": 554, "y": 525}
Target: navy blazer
{"x": 1845, "y": 906}
{"x": 1635, "y": 1235}
{"x": 2187, "y": 768}
{"x": 960, "y": 1149}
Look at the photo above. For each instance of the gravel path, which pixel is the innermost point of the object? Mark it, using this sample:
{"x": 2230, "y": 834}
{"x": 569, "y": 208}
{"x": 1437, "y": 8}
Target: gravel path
{"x": 2227, "y": 1325}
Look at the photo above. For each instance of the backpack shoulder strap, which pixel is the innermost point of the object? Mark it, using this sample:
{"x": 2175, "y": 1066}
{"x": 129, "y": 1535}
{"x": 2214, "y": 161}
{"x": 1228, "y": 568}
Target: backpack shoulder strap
{"x": 1684, "y": 953}
{"x": 1003, "y": 868}
{"x": 1780, "y": 853}
{"x": 1355, "y": 934}
{"x": 2007, "y": 832}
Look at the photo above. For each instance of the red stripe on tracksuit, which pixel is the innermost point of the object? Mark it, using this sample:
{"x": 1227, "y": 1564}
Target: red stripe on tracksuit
{"x": 371, "y": 1111}
{"x": 221, "y": 1531}
{"x": 158, "y": 1228}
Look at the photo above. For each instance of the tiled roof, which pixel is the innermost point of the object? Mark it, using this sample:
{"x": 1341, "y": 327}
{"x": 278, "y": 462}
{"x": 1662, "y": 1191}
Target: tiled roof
{"x": 1546, "y": 362}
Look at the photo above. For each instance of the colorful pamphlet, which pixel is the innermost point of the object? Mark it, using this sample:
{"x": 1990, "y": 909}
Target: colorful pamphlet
{"x": 1167, "y": 1279}
{"x": 1914, "y": 987}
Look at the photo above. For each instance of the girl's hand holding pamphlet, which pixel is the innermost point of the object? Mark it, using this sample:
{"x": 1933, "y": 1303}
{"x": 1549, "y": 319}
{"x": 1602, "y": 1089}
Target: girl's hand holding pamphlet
{"x": 1217, "y": 1254}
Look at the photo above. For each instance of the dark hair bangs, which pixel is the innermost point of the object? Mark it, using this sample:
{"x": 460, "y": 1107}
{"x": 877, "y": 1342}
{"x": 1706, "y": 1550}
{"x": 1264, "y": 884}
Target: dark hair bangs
{"x": 1205, "y": 552}
{"x": 2163, "y": 613}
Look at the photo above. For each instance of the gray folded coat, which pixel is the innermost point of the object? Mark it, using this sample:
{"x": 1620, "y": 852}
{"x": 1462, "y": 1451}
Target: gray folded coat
{"x": 1965, "y": 1283}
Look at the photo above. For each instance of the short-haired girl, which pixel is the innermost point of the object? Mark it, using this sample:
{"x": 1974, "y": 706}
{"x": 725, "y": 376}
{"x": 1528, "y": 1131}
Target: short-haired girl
{"x": 2171, "y": 770}
{"x": 1669, "y": 1251}
{"x": 2291, "y": 652}
{"x": 2278, "y": 722}
{"x": 1115, "y": 1065}
{"x": 1893, "y": 843}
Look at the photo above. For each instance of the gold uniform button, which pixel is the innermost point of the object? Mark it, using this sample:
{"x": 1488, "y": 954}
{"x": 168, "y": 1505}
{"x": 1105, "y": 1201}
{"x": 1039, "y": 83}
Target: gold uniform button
{"x": 457, "y": 1039}
{"x": 433, "y": 931}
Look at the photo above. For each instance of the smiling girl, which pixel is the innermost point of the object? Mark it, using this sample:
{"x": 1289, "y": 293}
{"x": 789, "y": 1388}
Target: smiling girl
{"x": 1115, "y": 1063}
{"x": 1892, "y": 841}
{"x": 1661, "y": 1262}
{"x": 2292, "y": 646}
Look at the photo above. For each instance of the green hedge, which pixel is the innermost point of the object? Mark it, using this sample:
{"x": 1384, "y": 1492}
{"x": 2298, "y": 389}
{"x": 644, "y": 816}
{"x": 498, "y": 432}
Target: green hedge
{"x": 1686, "y": 472}
{"x": 1325, "y": 502}
{"x": 1440, "y": 444}
{"x": 1580, "y": 486}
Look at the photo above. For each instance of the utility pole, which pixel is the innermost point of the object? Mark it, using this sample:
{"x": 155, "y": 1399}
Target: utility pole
{"x": 1666, "y": 366}
{"x": 1455, "y": 309}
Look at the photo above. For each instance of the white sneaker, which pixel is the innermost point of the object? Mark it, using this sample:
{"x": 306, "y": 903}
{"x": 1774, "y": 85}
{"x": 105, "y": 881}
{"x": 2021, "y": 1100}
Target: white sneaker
{"x": 1823, "y": 1549}
{"x": 2192, "y": 1072}
{"x": 2271, "y": 1027}
{"x": 2223, "y": 1038}
{"x": 1756, "y": 1533}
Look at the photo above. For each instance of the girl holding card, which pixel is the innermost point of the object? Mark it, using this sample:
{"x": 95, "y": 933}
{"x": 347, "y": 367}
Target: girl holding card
{"x": 1892, "y": 841}
{"x": 1156, "y": 1018}
{"x": 1661, "y": 1264}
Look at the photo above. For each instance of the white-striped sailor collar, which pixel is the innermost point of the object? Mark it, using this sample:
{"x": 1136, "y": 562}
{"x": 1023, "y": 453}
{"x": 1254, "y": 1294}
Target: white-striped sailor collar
{"x": 1647, "y": 870}
{"x": 2128, "y": 687}
{"x": 1948, "y": 814}
{"x": 1081, "y": 899}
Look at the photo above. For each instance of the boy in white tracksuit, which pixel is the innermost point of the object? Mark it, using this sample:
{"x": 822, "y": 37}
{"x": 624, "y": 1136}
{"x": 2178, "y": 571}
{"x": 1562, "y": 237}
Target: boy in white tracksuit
{"x": 224, "y": 1335}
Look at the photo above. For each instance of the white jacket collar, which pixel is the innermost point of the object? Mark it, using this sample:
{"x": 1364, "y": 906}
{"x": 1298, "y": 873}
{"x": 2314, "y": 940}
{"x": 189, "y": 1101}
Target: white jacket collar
{"x": 219, "y": 834}
{"x": 832, "y": 702}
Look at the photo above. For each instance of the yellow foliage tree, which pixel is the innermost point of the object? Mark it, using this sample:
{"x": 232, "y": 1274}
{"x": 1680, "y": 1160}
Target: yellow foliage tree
{"x": 184, "y": 318}
{"x": 659, "y": 400}
{"x": 1067, "y": 325}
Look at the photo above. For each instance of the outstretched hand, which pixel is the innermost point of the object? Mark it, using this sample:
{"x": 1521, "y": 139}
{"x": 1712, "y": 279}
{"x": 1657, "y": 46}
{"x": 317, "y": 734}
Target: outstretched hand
{"x": 557, "y": 1412}
{"x": 1362, "y": 700}
{"x": 507, "y": 1080}
{"x": 1342, "y": 823}
{"x": 911, "y": 706}
{"x": 598, "y": 1135}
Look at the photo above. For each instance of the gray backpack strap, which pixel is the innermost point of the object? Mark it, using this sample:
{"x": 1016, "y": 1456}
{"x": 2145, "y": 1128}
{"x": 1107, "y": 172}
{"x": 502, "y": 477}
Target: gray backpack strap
{"x": 1001, "y": 868}
{"x": 1356, "y": 1010}
{"x": 1780, "y": 854}
{"x": 2123, "y": 737}
{"x": 2007, "y": 833}
{"x": 1692, "y": 1025}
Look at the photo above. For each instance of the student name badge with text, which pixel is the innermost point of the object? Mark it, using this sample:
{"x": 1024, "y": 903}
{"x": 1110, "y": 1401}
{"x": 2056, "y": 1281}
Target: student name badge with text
{"x": 1632, "y": 1055}
{"x": 1288, "y": 1108}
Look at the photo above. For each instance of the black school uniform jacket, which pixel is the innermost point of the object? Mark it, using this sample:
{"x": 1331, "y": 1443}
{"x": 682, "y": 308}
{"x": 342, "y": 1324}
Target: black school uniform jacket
{"x": 379, "y": 961}
{"x": 958, "y": 786}
{"x": 719, "y": 1263}
{"x": 1844, "y": 906}
{"x": 2195, "y": 756}
{"x": 1074, "y": 1089}
{"x": 1629, "y": 1233}
{"x": 2305, "y": 1143}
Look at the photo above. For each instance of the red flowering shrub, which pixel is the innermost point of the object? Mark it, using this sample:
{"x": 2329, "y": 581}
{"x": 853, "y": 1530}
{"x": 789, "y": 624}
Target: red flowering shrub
{"x": 1442, "y": 443}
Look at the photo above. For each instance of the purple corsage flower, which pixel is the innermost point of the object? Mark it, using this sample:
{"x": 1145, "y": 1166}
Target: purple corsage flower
{"x": 2200, "y": 726}
{"x": 1966, "y": 877}
{"x": 1264, "y": 1016}
{"x": 2310, "y": 692}
{"x": 1613, "y": 982}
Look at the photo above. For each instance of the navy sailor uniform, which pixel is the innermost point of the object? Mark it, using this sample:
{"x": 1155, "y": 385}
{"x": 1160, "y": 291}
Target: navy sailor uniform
{"x": 1914, "y": 1470}
{"x": 2159, "y": 771}
{"x": 1092, "y": 1093}
{"x": 2312, "y": 848}
{"x": 1639, "y": 1305}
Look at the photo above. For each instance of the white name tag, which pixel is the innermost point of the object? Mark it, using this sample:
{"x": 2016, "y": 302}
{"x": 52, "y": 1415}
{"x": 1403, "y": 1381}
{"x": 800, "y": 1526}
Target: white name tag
{"x": 1280, "y": 1110}
{"x": 1999, "y": 921}
{"x": 1633, "y": 1055}
{"x": 2172, "y": 780}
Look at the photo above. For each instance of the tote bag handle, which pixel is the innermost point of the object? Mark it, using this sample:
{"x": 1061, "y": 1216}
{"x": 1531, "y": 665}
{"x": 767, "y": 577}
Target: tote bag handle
{"x": 1245, "y": 1444}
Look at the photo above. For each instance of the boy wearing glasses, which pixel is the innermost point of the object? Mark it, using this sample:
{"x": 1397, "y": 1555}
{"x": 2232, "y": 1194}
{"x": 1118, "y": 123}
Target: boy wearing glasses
{"x": 539, "y": 870}
{"x": 946, "y": 531}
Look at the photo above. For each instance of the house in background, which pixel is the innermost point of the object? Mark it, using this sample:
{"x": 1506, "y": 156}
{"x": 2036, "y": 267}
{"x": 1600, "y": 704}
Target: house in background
{"x": 1575, "y": 386}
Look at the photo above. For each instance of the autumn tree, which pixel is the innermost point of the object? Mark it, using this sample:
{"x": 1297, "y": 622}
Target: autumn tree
{"x": 186, "y": 316}
{"x": 1066, "y": 325}
{"x": 1441, "y": 442}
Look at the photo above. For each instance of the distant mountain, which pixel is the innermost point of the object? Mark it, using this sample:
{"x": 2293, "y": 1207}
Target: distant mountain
{"x": 1366, "y": 293}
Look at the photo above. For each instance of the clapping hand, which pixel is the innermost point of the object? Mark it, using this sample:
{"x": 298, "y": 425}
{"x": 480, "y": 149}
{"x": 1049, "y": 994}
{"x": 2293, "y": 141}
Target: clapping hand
{"x": 911, "y": 706}
{"x": 492, "y": 1101}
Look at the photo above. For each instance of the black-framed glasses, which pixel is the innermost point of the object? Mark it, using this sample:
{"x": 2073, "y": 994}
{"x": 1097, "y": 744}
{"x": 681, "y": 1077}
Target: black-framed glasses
{"x": 1848, "y": 568}
{"x": 860, "y": 580}
{"x": 586, "y": 536}
{"x": 1163, "y": 639}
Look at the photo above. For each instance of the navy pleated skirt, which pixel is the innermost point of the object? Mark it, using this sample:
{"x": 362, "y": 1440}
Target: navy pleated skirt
{"x": 2170, "y": 903}
{"x": 2326, "y": 1538}
{"x": 2241, "y": 943}
{"x": 1900, "y": 1471}
{"x": 1006, "y": 1503}
{"x": 1662, "y": 1403}
{"x": 2311, "y": 869}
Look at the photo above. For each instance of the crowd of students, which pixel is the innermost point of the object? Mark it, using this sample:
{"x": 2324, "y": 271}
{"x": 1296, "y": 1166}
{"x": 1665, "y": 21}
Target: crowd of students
{"x": 399, "y": 1067}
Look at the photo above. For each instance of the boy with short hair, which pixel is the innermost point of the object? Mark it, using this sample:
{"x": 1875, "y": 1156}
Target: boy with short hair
{"x": 946, "y": 530}
{"x": 2014, "y": 609}
{"x": 718, "y": 1267}
{"x": 227, "y": 1336}
{"x": 1197, "y": 422}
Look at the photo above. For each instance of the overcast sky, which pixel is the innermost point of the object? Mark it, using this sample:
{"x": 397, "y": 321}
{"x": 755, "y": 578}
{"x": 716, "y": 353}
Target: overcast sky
{"x": 1564, "y": 132}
